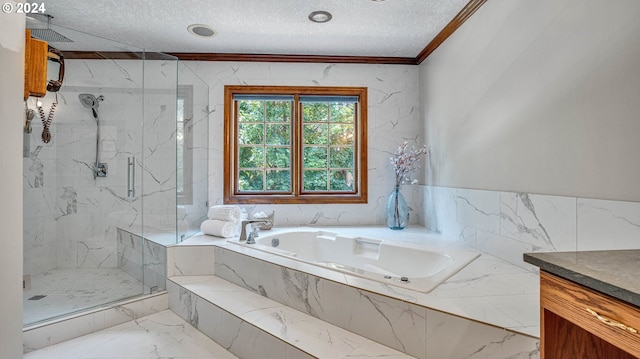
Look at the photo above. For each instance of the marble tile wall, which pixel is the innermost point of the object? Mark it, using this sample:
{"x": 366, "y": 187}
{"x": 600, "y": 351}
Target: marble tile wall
{"x": 507, "y": 224}
{"x": 142, "y": 259}
{"x": 185, "y": 260}
{"x": 159, "y": 152}
{"x": 393, "y": 118}
{"x": 192, "y": 211}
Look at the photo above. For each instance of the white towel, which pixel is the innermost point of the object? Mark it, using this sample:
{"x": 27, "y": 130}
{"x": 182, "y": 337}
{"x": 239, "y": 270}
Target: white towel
{"x": 218, "y": 228}
{"x": 225, "y": 213}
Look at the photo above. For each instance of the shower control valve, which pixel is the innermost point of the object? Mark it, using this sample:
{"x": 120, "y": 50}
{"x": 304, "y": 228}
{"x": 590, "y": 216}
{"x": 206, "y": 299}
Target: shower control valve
{"x": 101, "y": 170}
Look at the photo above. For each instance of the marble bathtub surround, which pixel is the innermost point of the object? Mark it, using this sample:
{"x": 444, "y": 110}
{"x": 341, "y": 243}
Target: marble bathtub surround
{"x": 491, "y": 291}
{"x": 606, "y": 224}
{"x": 508, "y": 224}
{"x": 253, "y": 326}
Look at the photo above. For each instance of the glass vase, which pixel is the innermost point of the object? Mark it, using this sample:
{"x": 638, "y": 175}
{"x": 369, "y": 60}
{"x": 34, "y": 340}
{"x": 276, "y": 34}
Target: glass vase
{"x": 397, "y": 210}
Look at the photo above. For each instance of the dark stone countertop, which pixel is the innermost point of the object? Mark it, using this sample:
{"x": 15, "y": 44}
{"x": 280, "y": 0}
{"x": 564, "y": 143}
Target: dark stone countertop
{"x": 613, "y": 272}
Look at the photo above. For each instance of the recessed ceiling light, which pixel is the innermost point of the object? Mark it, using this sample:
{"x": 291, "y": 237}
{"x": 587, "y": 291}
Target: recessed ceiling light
{"x": 201, "y": 30}
{"x": 320, "y": 16}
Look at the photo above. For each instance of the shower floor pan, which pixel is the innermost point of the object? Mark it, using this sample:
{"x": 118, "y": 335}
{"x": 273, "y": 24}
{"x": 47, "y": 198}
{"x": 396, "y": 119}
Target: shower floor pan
{"x": 61, "y": 292}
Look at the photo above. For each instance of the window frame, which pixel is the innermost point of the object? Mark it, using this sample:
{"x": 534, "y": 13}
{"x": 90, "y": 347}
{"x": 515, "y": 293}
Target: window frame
{"x": 297, "y": 195}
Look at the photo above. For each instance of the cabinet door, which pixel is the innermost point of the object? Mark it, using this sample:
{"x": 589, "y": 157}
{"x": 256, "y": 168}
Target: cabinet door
{"x": 577, "y": 322}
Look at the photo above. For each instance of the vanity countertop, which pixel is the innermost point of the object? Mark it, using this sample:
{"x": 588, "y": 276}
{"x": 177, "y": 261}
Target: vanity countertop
{"x": 612, "y": 272}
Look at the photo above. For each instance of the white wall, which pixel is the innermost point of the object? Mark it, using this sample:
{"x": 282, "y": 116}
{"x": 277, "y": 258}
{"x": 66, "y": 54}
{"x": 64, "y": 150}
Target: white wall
{"x": 392, "y": 118}
{"x": 12, "y": 114}
{"x": 538, "y": 97}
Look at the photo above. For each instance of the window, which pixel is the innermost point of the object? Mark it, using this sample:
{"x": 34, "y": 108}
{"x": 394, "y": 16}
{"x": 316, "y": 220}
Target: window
{"x": 295, "y": 144}
{"x": 184, "y": 149}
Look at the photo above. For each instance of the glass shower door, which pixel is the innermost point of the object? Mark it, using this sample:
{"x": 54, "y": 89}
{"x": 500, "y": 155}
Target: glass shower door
{"x": 83, "y": 220}
{"x": 192, "y": 159}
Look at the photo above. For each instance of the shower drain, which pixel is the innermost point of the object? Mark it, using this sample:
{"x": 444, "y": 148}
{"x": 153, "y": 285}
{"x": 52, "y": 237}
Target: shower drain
{"x": 37, "y": 297}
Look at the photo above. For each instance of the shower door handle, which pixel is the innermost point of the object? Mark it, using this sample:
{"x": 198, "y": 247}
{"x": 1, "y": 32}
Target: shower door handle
{"x": 131, "y": 177}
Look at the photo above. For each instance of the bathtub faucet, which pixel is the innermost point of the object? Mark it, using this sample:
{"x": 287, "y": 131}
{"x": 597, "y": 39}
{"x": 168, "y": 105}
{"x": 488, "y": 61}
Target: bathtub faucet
{"x": 243, "y": 232}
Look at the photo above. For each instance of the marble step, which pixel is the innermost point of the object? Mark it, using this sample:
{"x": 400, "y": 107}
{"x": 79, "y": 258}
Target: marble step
{"x": 252, "y": 326}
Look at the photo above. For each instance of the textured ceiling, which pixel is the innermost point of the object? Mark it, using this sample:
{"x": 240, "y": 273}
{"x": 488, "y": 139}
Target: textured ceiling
{"x": 395, "y": 28}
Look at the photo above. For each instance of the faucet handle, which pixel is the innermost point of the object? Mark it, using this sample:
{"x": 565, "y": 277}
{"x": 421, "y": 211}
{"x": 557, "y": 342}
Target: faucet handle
{"x": 251, "y": 239}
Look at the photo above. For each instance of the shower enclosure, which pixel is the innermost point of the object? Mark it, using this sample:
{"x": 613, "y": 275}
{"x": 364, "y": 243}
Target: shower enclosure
{"x": 101, "y": 198}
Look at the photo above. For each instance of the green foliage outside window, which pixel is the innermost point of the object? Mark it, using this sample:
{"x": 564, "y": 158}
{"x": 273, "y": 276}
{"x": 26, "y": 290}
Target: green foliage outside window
{"x": 265, "y": 165}
{"x": 314, "y": 180}
{"x": 332, "y": 125}
{"x": 265, "y": 153}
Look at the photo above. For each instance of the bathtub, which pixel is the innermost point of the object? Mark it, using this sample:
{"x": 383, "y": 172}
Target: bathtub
{"x": 416, "y": 267}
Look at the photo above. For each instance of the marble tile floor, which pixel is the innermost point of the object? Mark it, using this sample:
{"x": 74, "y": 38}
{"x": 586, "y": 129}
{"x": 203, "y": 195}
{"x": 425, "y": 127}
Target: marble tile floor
{"x": 74, "y": 289}
{"x": 161, "y": 335}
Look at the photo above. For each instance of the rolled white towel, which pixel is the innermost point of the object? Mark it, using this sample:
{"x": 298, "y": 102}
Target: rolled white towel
{"x": 218, "y": 228}
{"x": 225, "y": 213}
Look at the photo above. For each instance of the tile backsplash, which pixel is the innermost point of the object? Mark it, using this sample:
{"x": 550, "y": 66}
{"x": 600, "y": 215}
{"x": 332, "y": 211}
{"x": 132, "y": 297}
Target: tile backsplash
{"x": 507, "y": 224}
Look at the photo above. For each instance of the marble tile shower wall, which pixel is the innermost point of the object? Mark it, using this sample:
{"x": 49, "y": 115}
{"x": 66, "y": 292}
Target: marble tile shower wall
{"x": 507, "y": 224}
{"x": 392, "y": 118}
{"x": 65, "y": 220}
{"x": 70, "y": 218}
{"x": 142, "y": 259}
{"x": 192, "y": 211}
{"x": 159, "y": 167}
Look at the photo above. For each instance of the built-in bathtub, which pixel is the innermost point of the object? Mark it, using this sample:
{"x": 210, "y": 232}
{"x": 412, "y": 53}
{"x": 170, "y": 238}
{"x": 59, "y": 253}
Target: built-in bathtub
{"x": 419, "y": 268}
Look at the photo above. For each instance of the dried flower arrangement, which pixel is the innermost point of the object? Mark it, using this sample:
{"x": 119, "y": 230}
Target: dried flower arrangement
{"x": 406, "y": 160}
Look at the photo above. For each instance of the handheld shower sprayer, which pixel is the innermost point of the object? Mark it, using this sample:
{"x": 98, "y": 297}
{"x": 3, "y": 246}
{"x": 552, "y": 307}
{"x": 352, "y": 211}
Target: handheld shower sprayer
{"x": 90, "y": 101}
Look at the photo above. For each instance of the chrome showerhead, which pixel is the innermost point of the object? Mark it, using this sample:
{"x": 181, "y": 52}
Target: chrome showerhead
{"x": 90, "y": 101}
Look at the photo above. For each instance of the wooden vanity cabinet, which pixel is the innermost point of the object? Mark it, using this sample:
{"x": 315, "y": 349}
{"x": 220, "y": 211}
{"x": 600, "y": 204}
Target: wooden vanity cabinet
{"x": 579, "y": 323}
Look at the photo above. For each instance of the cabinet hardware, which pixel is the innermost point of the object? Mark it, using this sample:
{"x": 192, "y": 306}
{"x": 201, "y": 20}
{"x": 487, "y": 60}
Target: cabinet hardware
{"x": 610, "y": 322}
